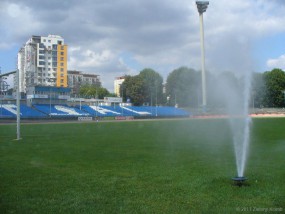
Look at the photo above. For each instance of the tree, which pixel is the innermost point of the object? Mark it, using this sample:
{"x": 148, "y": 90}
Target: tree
{"x": 146, "y": 87}
{"x": 275, "y": 87}
{"x": 112, "y": 95}
{"x": 258, "y": 90}
{"x": 91, "y": 91}
{"x": 183, "y": 87}
{"x": 152, "y": 86}
{"x": 133, "y": 89}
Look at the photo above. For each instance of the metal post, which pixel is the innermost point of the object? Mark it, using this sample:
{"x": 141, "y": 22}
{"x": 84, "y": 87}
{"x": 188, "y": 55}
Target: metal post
{"x": 1, "y": 108}
{"x": 96, "y": 102}
{"x": 121, "y": 86}
{"x": 204, "y": 98}
{"x": 49, "y": 101}
{"x": 97, "y": 108}
{"x": 202, "y": 7}
{"x": 155, "y": 98}
{"x": 18, "y": 105}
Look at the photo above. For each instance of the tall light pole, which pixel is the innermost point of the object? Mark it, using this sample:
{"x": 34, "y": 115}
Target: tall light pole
{"x": 202, "y": 7}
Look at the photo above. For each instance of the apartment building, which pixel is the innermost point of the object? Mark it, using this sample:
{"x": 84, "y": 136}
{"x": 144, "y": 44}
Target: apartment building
{"x": 77, "y": 78}
{"x": 117, "y": 85}
{"x": 42, "y": 61}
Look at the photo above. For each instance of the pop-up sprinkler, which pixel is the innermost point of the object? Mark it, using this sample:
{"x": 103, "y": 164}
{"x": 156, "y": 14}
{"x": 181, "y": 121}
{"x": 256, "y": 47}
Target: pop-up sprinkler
{"x": 239, "y": 181}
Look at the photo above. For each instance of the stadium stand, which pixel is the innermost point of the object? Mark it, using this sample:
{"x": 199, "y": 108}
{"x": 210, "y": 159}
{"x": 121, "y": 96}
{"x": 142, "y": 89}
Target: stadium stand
{"x": 60, "y": 110}
{"x": 63, "y": 111}
{"x": 10, "y": 111}
{"x": 7, "y": 111}
{"x": 29, "y": 112}
{"x": 171, "y": 111}
{"x": 136, "y": 111}
{"x": 101, "y": 111}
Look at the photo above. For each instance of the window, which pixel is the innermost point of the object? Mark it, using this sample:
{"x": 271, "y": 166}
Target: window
{"x": 61, "y": 53}
{"x": 42, "y": 63}
{"x": 61, "y": 69}
{"x": 61, "y": 58}
{"x": 61, "y": 64}
{"x": 62, "y": 47}
{"x": 49, "y": 41}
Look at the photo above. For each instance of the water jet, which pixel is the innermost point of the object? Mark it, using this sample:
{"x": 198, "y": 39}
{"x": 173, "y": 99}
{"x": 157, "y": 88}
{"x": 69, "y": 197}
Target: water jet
{"x": 241, "y": 124}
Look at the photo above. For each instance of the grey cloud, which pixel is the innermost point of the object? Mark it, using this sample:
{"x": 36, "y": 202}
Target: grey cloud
{"x": 162, "y": 34}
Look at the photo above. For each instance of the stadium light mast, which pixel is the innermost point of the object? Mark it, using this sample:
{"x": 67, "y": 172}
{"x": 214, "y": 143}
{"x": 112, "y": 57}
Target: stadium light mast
{"x": 202, "y": 7}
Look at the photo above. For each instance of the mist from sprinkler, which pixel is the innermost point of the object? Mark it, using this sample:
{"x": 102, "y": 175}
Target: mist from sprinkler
{"x": 238, "y": 107}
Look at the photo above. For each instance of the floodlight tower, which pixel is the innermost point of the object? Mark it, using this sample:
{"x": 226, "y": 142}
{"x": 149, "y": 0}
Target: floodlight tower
{"x": 202, "y": 7}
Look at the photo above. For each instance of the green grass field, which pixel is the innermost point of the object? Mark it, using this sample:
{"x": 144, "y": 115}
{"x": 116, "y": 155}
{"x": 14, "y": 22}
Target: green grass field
{"x": 169, "y": 166}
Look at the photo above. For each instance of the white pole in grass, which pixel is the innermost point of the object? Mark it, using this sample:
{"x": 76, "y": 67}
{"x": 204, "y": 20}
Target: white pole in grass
{"x": 18, "y": 105}
{"x": 202, "y": 7}
{"x": 49, "y": 101}
{"x": 156, "y": 98}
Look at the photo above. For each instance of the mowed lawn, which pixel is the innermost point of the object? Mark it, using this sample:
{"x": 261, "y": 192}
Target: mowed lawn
{"x": 169, "y": 166}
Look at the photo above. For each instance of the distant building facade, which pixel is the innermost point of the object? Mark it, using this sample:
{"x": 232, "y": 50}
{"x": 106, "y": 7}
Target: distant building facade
{"x": 43, "y": 61}
{"x": 47, "y": 95}
{"x": 77, "y": 78}
{"x": 117, "y": 85}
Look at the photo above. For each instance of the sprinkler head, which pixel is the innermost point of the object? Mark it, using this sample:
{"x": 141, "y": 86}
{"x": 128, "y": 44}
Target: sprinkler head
{"x": 239, "y": 181}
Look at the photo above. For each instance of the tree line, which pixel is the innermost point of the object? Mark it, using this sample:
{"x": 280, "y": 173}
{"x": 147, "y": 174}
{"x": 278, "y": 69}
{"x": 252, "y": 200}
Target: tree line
{"x": 183, "y": 88}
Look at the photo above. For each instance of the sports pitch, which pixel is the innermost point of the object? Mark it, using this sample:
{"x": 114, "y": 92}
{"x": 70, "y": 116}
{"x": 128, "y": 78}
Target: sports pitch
{"x": 167, "y": 166}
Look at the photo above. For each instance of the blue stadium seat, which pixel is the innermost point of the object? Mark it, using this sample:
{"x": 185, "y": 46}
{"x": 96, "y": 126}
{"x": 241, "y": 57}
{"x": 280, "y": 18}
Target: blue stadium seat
{"x": 44, "y": 110}
{"x": 60, "y": 110}
{"x": 10, "y": 111}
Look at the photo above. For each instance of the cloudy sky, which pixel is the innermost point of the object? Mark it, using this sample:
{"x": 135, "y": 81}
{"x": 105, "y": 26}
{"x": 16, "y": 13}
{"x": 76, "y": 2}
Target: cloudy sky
{"x": 116, "y": 37}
